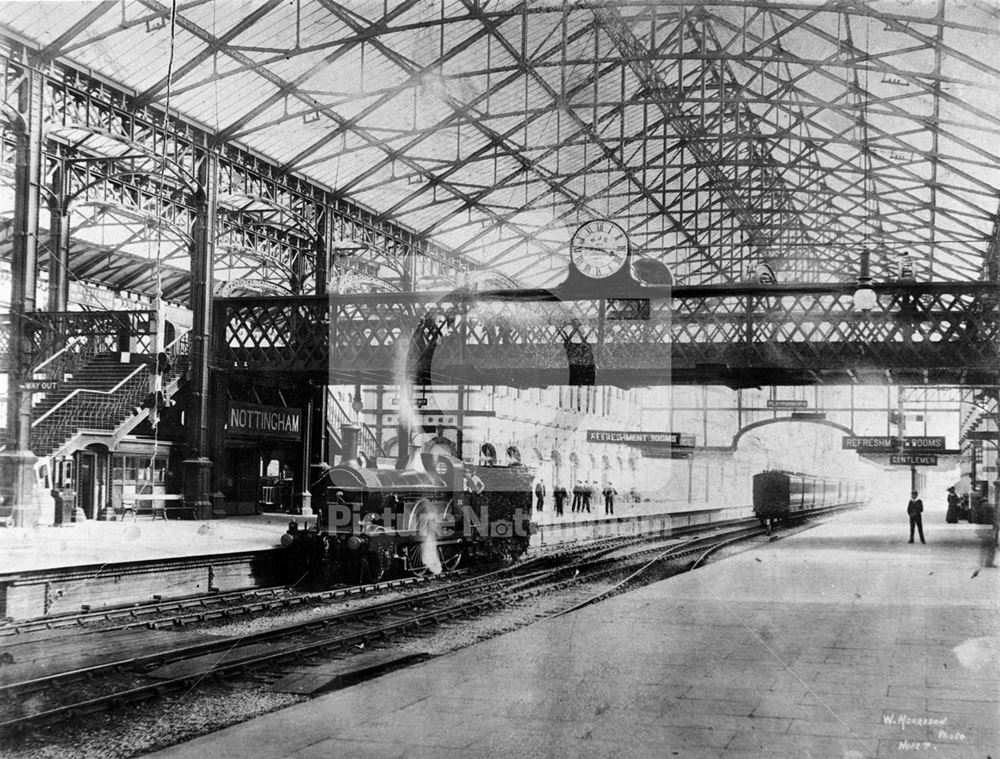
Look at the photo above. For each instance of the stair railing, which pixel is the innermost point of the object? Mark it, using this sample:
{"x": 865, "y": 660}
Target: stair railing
{"x": 89, "y": 409}
{"x": 368, "y": 443}
{"x": 105, "y": 409}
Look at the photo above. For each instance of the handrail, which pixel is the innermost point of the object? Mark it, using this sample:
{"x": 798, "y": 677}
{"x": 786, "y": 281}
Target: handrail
{"x": 50, "y": 359}
{"x": 82, "y": 390}
{"x": 142, "y": 367}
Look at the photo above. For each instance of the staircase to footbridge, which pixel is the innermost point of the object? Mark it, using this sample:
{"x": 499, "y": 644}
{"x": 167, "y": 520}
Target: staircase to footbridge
{"x": 734, "y": 335}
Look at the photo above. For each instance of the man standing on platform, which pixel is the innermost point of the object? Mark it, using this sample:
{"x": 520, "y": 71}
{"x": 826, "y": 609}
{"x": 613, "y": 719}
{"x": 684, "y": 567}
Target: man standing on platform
{"x": 577, "y": 497}
{"x": 915, "y": 508}
{"x": 609, "y": 499}
{"x": 540, "y": 495}
{"x": 559, "y": 494}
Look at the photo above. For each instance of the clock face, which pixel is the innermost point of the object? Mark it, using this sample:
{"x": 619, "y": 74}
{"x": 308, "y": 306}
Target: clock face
{"x": 599, "y": 248}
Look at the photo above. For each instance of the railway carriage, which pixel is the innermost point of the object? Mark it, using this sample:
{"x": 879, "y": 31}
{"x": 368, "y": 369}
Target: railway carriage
{"x": 779, "y": 495}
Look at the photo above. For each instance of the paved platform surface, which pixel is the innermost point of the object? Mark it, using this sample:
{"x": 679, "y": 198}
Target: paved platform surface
{"x": 843, "y": 641}
{"x": 93, "y": 542}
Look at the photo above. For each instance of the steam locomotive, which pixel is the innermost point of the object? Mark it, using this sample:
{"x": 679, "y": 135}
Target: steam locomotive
{"x": 779, "y": 495}
{"x": 434, "y": 514}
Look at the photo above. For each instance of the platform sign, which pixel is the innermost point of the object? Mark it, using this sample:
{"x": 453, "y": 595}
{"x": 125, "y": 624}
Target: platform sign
{"x": 913, "y": 459}
{"x": 890, "y": 444}
{"x": 419, "y": 402}
{"x": 788, "y": 403}
{"x": 630, "y": 437}
{"x": 247, "y": 420}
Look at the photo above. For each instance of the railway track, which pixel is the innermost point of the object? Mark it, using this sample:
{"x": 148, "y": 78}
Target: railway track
{"x": 203, "y": 608}
{"x": 269, "y": 651}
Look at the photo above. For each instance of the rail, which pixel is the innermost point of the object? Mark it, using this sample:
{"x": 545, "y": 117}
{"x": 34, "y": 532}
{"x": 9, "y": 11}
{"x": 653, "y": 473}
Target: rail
{"x": 341, "y": 632}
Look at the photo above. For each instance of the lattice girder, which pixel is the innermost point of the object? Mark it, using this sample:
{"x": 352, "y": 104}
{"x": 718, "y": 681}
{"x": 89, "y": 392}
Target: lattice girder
{"x": 732, "y": 334}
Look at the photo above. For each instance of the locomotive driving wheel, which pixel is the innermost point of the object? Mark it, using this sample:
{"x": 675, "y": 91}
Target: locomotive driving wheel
{"x": 449, "y": 557}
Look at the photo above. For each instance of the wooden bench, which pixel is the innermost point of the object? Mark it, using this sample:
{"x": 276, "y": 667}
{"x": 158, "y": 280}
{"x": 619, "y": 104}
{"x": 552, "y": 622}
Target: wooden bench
{"x": 158, "y": 500}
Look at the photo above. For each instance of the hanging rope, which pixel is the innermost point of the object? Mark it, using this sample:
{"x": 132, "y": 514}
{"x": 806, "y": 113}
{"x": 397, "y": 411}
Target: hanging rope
{"x": 159, "y": 368}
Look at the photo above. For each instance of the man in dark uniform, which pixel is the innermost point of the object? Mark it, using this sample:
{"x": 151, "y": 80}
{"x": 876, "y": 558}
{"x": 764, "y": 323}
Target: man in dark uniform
{"x": 540, "y": 495}
{"x": 915, "y": 508}
{"x": 559, "y": 494}
{"x": 609, "y": 499}
{"x": 585, "y": 496}
{"x": 577, "y": 497}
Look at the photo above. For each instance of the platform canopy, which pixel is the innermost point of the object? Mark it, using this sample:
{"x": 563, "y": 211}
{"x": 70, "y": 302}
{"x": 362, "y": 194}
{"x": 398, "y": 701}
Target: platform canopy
{"x": 721, "y": 135}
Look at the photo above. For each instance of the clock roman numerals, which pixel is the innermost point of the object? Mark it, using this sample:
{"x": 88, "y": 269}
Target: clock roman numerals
{"x": 599, "y": 248}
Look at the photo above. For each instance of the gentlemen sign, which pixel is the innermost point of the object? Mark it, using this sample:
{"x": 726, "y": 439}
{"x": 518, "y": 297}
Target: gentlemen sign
{"x": 633, "y": 438}
{"x": 889, "y": 444}
{"x": 913, "y": 459}
{"x": 264, "y": 421}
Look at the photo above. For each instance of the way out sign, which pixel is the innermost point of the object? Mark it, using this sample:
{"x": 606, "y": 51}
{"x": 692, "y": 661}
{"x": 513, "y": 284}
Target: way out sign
{"x": 913, "y": 459}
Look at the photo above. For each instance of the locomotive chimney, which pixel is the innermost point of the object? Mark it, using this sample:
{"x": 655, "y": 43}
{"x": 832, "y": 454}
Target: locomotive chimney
{"x": 415, "y": 462}
{"x": 349, "y": 445}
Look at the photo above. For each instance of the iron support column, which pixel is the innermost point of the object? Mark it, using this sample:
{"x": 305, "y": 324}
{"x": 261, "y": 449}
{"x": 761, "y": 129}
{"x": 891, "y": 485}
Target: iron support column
{"x": 308, "y": 441}
{"x": 197, "y": 468}
{"x": 58, "y": 245}
{"x": 460, "y": 422}
{"x": 321, "y": 249}
{"x": 17, "y": 462}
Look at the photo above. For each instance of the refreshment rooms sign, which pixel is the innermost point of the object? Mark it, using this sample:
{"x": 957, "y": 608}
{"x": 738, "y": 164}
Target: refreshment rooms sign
{"x": 633, "y": 438}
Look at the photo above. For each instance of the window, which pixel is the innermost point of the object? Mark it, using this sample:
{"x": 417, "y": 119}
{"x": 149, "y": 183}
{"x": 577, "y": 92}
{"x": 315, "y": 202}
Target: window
{"x": 133, "y": 475}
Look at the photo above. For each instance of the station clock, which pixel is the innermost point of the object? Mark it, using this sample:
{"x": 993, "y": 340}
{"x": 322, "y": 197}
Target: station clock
{"x": 599, "y": 248}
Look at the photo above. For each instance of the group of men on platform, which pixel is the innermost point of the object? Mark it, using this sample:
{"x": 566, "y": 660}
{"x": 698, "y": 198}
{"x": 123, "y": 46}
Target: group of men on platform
{"x": 582, "y": 495}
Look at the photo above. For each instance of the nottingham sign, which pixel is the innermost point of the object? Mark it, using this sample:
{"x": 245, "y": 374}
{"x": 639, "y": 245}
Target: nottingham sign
{"x": 248, "y": 420}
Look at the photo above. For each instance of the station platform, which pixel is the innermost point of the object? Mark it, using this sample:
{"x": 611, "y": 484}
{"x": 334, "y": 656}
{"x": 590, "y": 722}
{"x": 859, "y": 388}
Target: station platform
{"x": 27, "y": 549}
{"x": 97, "y": 542}
{"x": 842, "y": 641}
{"x": 628, "y": 518}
